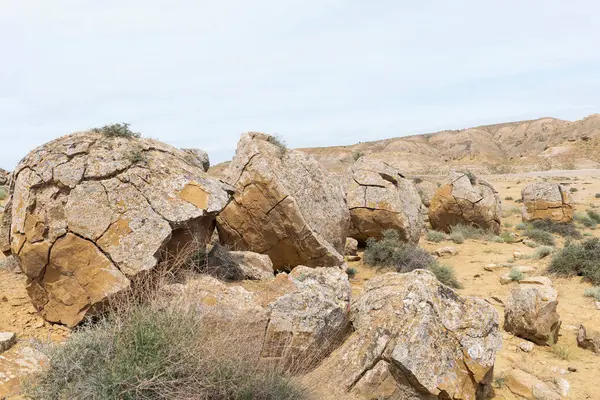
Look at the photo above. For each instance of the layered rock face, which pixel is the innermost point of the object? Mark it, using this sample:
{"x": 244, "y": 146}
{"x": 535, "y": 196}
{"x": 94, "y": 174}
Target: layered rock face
{"x": 414, "y": 338}
{"x": 464, "y": 202}
{"x": 286, "y": 206}
{"x": 545, "y": 200}
{"x": 380, "y": 198}
{"x": 296, "y": 319}
{"x": 530, "y": 311}
{"x": 88, "y": 212}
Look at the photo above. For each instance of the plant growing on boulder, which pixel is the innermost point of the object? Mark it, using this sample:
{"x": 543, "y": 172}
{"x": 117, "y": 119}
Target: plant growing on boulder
{"x": 117, "y": 130}
{"x": 278, "y": 141}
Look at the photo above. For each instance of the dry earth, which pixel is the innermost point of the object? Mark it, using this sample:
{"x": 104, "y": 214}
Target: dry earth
{"x": 17, "y": 315}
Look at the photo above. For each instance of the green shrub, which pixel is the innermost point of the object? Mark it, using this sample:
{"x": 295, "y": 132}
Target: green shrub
{"x": 595, "y": 216}
{"x": 156, "y": 352}
{"x": 573, "y": 190}
{"x": 542, "y": 252}
{"x": 496, "y": 239}
{"x": 563, "y": 229}
{"x": 137, "y": 157}
{"x": 2, "y": 193}
{"x": 117, "y": 130}
{"x": 351, "y": 272}
{"x": 521, "y": 226}
{"x": 578, "y": 259}
{"x": 436, "y": 236}
{"x": 445, "y": 274}
{"x": 391, "y": 252}
{"x": 508, "y": 198}
{"x": 516, "y": 275}
{"x": 530, "y": 243}
{"x": 457, "y": 237}
{"x": 278, "y": 141}
{"x": 470, "y": 232}
{"x": 540, "y": 236}
{"x": 507, "y": 237}
{"x": 593, "y": 292}
{"x": 584, "y": 219}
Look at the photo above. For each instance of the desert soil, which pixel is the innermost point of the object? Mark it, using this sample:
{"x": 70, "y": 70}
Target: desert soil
{"x": 17, "y": 314}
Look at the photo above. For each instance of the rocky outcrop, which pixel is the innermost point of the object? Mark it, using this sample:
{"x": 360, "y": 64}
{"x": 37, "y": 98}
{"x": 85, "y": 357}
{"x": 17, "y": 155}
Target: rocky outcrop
{"x": 589, "y": 341}
{"x": 380, "y": 198}
{"x": 545, "y": 200}
{"x": 426, "y": 191}
{"x": 286, "y": 206}
{"x": 88, "y": 212}
{"x": 295, "y": 319}
{"x": 418, "y": 334}
{"x": 198, "y": 158}
{"x": 465, "y": 200}
{"x": 530, "y": 311}
{"x": 238, "y": 265}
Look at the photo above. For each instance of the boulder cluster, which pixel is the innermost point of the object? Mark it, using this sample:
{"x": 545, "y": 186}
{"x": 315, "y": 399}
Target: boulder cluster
{"x": 89, "y": 213}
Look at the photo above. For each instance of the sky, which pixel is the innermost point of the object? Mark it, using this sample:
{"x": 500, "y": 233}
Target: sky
{"x": 317, "y": 72}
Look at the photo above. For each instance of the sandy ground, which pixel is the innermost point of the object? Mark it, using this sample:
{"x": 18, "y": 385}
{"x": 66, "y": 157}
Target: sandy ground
{"x": 17, "y": 315}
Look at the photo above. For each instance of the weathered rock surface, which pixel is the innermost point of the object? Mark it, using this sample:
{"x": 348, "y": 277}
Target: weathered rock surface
{"x": 7, "y": 340}
{"x": 296, "y": 319}
{"x": 286, "y": 206}
{"x": 88, "y": 212}
{"x": 351, "y": 248}
{"x": 398, "y": 321}
{"x": 426, "y": 191}
{"x": 238, "y": 265}
{"x": 380, "y": 198}
{"x": 446, "y": 251}
{"x": 589, "y": 341}
{"x": 198, "y": 158}
{"x": 530, "y": 387}
{"x": 530, "y": 311}
{"x": 463, "y": 202}
{"x": 545, "y": 200}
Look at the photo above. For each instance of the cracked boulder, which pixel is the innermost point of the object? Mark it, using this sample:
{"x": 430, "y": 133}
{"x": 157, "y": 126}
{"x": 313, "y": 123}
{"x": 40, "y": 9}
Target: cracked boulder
{"x": 294, "y": 320}
{"x": 545, "y": 200}
{"x": 87, "y": 213}
{"x": 414, "y": 338}
{"x": 380, "y": 198}
{"x": 530, "y": 311}
{"x": 465, "y": 200}
{"x": 285, "y": 205}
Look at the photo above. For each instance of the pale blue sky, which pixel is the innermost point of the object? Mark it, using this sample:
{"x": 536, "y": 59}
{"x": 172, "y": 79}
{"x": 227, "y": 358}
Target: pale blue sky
{"x": 199, "y": 73}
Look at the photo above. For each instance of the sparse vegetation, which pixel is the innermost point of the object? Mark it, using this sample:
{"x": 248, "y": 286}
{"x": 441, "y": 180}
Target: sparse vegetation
{"x": 507, "y": 225}
{"x": 391, "y": 252}
{"x": 137, "y": 157}
{"x": 595, "y": 216}
{"x": 508, "y": 237}
{"x": 584, "y": 219}
{"x": 514, "y": 210}
{"x": 521, "y": 226}
{"x": 2, "y": 193}
{"x": 436, "y": 236}
{"x": 542, "y": 252}
{"x": 457, "y": 237}
{"x": 597, "y": 195}
{"x": 445, "y": 274}
{"x": 499, "y": 382}
{"x": 508, "y": 198}
{"x": 562, "y": 351}
{"x": 540, "y": 236}
{"x": 578, "y": 259}
{"x": 278, "y": 141}
{"x": 470, "y": 232}
{"x": 357, "y": 154}
{"x": 351, "y": 272}
{"x": 156, "y": 352}
{"x": 563, "y": 229}
{"x": 573, "y": 190}
{"x": 117, "y": 130}
{"x": 593, "y": 292}
{"x": 516, "y": 275}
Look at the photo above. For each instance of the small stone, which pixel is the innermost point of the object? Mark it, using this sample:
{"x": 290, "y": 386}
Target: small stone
{"x": 563, "y": 386}
{"x": 524, "y": 268}
{"x": 505, "y": 279}
{"x": 527, "y": 347}
{"x": 496, "y": 298}
{"x": 518, "y": 254}
{"x": 353, "y": 258}
{"x": 446, "y": 251}
{"x": 492, "y": 267}
{"x": 7, "y": 340}
{"x": 572, "y": 369}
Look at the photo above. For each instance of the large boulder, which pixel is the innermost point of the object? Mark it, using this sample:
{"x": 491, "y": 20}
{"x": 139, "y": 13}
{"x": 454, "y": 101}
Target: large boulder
{"x": 380, "y": 198}
{"x": 465, "y": 200}
{"x": 296, "y": 320}
{"x": 198, "y": 157}
{"x": 414, "y": 332}
{"x": 426, "y": 191}
{"x": 88, "y": 212}
{"x": 286, "y": 206}
{"x": 545, "y": 200}
{"x": 530, "y": 311}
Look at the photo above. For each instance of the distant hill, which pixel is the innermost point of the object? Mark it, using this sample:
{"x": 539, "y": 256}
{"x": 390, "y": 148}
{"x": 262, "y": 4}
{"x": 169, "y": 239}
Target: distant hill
{"x": 541, "y": 144}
